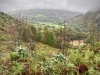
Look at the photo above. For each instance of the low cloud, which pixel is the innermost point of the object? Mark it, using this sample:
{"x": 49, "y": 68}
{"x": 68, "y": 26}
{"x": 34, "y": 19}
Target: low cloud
{"x": 71, "y": 5}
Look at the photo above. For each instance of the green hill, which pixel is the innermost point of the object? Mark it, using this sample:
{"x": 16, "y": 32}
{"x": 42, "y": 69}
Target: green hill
{"x": 46, "y": 15}
{"x": 94, "y": 17}
{"x": 21, "y": 55}
{"x": 5, "y": 18}
{"x": 75, "y": 20}
{"x": 78, "y": 22}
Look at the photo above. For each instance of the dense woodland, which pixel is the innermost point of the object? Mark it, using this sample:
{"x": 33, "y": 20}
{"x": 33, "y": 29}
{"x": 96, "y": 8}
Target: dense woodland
{"x": 30, "y": 49}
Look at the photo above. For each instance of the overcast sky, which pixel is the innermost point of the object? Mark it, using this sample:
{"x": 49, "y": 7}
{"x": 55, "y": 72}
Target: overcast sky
{"x": 71, "y": 5}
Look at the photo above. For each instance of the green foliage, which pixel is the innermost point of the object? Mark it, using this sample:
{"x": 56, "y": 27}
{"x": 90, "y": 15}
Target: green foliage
{"x": 5, "y": 18}
{"x": 39, "y": 35}
{"x": 26, "y": 34}
{"x": 56, "y": 64}
{"x": 18, "y": 69}
{"x": 48, "y": 37}
{"x": 59, "y": 58}
{"x": 33, "y": 29}
{"x": 3, "y": 37}
{"x": 51, "y": 25}
{"x": 79, "y": 57}
{"x": 21, "y": 51}
{"x": 45, "y": 60}
{"x": 14, "y": 56}
{"x": 39, "y": 15}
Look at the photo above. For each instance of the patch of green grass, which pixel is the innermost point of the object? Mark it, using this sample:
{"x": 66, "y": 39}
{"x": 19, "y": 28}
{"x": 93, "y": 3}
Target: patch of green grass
{"x": 52, "y": 25}
{"x": 45, "y": 49}
{"x": 39, "y": 15}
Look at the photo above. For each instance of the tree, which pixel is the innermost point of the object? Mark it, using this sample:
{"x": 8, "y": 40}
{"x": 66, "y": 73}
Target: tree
{"x": 63, "y": 40}
{"x": 92, "y": 32}
{"x": 39, "y": 35}
{"x": 26, "y": 34}
{"x": 48, "y": 37}
{"x": 33, "y": 29}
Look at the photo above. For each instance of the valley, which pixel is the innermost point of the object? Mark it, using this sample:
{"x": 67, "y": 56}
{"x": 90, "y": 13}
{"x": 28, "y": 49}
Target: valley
{"x": 49, "y": 42}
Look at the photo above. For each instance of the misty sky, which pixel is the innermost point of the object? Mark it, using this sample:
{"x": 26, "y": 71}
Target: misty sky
{"x": 71, "y": 5}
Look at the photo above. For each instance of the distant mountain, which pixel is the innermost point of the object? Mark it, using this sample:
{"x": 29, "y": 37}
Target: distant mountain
{"x": 75, "y": 20}
{"x": 93, "y": 16}
{"x": 46, "y": 15}
{"x": 78, "y": 22}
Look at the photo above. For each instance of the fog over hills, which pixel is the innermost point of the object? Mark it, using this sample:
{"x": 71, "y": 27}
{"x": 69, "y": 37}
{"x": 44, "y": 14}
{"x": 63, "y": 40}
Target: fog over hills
{"x": 54, "y": 11}
{"x": 46, "y": 15}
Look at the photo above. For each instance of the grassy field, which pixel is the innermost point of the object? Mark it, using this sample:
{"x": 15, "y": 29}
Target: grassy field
{"x": 52, "y": 25}
{"x": 46, "y": 50}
